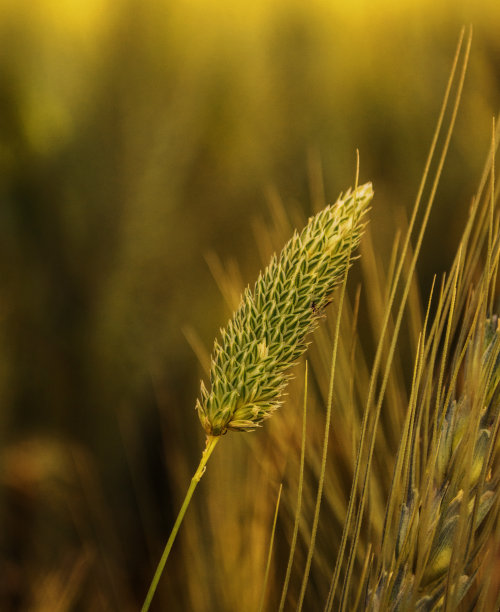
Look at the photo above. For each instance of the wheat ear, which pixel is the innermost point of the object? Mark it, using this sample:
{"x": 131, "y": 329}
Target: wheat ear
{"x": 441, "y": 530}
{"x": 267, "y": 334}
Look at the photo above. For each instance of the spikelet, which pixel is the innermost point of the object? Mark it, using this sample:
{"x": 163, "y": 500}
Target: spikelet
{"x": 452, "y": 474}
{"x": 267, "y": 333}
{"x": 456, "y": 478}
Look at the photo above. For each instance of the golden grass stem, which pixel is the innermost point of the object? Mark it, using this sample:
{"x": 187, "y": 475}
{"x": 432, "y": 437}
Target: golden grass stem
{"x": 299, "y": 498}
{"x": 200, "y": 470}
{"x": 325, "y": 442}
{"x": 270, "y": 553}
{"x": 371, "y": 392}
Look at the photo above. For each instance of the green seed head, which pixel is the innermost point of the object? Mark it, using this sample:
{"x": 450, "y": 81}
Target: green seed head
{"x": 267, "y": 333}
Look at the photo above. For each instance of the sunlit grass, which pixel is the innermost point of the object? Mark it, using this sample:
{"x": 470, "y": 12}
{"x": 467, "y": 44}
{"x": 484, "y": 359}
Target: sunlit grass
{"x": 134, "y": 137}
{"x": 404, "y": 557}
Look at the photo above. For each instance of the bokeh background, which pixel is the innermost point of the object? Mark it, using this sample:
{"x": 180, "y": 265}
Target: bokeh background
{"x": 137, "y": 139}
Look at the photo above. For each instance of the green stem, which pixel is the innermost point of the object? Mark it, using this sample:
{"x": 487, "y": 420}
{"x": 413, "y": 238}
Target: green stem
{"x": 211, "y": 442}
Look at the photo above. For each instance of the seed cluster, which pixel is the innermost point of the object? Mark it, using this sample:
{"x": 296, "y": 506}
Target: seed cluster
{"x": 461, "y": 472}
{"x": 267, "y": 333}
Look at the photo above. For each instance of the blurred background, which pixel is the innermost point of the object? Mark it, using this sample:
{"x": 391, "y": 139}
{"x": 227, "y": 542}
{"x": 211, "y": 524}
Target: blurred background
{"x": 137, "y": 139}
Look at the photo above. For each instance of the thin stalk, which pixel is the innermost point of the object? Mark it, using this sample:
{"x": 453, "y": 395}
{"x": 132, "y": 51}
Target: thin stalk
{"x": 299, "y": 499}
{"x": 378, "y": 406}
{"x": 321, "y": 483}
{"x": 270, "y": 553}
{"x": 200, "y": 470}
{"x": 382, "y": 338}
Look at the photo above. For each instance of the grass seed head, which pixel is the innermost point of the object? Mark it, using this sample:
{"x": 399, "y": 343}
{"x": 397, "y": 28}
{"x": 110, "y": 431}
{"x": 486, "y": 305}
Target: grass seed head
{"x": 460, "y": 475}
{"x": 267, "y": 334}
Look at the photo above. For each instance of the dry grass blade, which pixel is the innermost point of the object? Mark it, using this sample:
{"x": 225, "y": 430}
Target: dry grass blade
{"x": 325, "y": 443}
{"x": 369, "y": 427}
{"x": 270, "y": 553}
{"x": 435, "y": 548}
{"x": 299, "y": 498}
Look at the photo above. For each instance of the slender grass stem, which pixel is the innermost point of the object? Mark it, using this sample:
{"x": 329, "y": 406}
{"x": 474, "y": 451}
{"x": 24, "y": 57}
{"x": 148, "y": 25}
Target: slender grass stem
{"x": 321, "y": 483}
{"x": 200, "y": 470}
{"x": 299, "y": 498}
{"x": 270, "y": 553}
